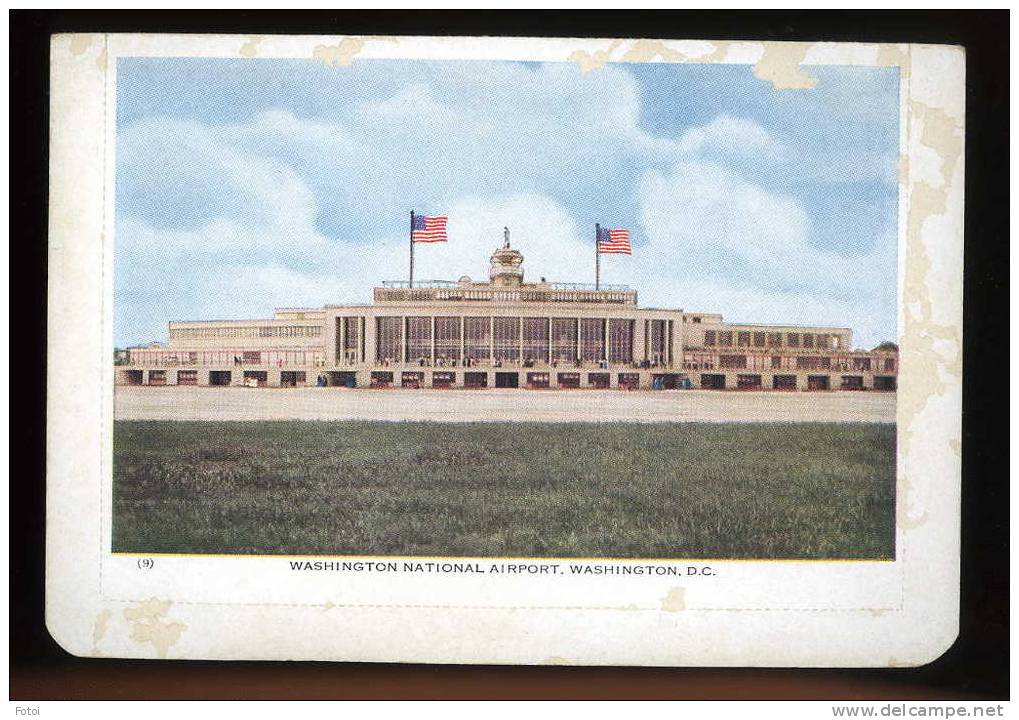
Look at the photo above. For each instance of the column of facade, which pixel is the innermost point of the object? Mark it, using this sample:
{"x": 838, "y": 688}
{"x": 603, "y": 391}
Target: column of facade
{"x": 605, "y": 341}
{"x": 491, "y": 340}
{"x": 341, "y": 341}
{"x": 433, "y": 341}
{"x": 520, "y": 342}
{"x": 403, "y": 339}
{"x": 331, "y": 339}
{"x": 350, "y": 330}
{"x": 613, "y": 373}
{"x": 577, "y": 349}
{"x": 548, "y": 341}
{"x": 645, "y": 377}
{"x": 371, "y": 331}
{"x": 638, "y": 350}
{"x": 359, "y": 346}
{"x": 362, "y": 376}
{"x": 677, "y": 345}
{"x": 666, "y": 339}
{"x": 668, "y": 343}
{"x": 463, "y": 342}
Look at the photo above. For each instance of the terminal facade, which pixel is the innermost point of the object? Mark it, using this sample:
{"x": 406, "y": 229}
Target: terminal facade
{"x": 507, "y": 333}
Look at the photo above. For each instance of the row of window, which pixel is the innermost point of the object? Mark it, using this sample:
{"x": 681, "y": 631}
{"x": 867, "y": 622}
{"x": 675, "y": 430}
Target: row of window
{"x": 708, "y": 361}
{"x": 510, "y": 339}
{"x": 190, "y": 377}
{"x": 276, "y": 358}
{"x": 533, "y": 380}
{"x": 789, "y": 382}
{"x": 246, "y": 331}
{"x": 747, "y": 338}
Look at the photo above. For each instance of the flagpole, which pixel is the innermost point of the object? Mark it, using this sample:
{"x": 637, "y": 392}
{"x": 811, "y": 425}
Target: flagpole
{"x": 597, "y": 258}
{"x": 411, "y": 283}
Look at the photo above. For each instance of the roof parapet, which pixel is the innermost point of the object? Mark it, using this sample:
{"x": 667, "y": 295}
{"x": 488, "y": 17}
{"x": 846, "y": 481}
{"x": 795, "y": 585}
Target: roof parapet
{"x": 399, "y": 292}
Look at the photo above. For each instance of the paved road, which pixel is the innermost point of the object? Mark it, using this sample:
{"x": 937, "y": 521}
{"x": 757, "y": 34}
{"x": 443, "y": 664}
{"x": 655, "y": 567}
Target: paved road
{"x": 236, "y": 403}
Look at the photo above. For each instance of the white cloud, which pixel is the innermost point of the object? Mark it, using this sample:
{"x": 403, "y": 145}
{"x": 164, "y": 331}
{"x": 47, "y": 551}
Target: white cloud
{"x": 738, "y": 136}
{"x": 318, "y": 135}
{"x": 541, "y": 130}
{"x": 704, "y": 211}
{"x": 257, "y": 195}
{"x": 717, "y": 242}
{"x": 160, "y": 285}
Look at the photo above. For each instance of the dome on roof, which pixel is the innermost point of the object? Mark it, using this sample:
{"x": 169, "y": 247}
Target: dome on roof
{"x": 505, "y": 268}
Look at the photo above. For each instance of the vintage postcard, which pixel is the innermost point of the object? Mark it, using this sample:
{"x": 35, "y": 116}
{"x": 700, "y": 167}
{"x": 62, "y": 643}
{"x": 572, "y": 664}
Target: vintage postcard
{"x": 504, "y": 350}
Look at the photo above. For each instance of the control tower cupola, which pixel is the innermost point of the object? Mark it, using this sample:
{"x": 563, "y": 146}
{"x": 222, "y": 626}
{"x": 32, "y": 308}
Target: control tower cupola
{"x": 506, "y": 270}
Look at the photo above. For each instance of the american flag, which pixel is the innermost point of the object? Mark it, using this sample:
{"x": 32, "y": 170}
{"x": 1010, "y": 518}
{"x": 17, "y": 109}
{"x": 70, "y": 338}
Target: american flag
{"x": 613, "y": 242}
{"x": 429, "y": 229}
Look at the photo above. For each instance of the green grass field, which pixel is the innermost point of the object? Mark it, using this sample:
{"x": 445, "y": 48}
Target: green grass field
{"x": 516, "y": 489}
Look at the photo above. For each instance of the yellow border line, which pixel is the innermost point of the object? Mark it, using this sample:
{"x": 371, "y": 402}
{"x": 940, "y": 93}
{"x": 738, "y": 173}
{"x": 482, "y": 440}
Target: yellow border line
{"x": 483, "y": 559}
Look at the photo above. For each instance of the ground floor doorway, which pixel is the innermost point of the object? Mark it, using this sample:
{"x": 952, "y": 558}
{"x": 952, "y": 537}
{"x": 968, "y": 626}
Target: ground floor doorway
{"x": 713, "y": 382}
{"x": 748, "y": 382}
{"x": 669, "y": 381}
{"x": 507, "y": 380}
{"x": 884, "y": 382}
{"x": 852, "y": 382}
{"x": 443, "y": 379}
{"x": 568, "y": 380}
{"x": 256, "y": 378}
{"x": 293, "y": 378}
{"x": 818, "y": 382}
{"x": 629, "y": 381}
{"x": 784, "y": 382}
{"x": 537, "y": 380}
{"x": 412, "y": 379}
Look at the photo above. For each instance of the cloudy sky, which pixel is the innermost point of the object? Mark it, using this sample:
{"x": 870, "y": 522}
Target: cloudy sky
{"x": 245, "y": 185}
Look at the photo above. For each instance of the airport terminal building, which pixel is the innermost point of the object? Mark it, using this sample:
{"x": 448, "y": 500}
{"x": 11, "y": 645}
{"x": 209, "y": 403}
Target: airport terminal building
{"x": 507, "y": 333}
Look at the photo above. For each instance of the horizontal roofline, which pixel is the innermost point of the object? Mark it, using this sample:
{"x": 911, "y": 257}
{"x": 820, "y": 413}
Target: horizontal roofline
{"x": 246, "y": 320}
{"x": 433, "y": 284}
{"x": 785, "y": 325}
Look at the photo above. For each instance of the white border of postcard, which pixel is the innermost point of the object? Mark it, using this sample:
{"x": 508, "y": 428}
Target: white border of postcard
{"x": 863, "y": 613}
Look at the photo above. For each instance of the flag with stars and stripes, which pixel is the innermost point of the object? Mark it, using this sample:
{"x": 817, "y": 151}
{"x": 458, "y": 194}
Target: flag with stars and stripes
{"x": 429, "y": 229}
{"x": 613, "y": 242}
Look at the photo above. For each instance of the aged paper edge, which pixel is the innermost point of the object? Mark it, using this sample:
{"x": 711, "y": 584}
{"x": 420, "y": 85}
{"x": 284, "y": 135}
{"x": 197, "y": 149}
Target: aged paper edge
{"x": 930, "y": 332}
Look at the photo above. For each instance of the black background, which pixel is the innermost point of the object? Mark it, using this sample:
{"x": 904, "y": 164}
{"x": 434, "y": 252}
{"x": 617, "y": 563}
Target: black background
{"x": 975, "y": 667}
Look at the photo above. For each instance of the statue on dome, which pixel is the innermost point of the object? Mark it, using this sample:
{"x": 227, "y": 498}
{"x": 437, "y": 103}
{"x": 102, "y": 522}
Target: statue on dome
{"x": 505, "y": 267}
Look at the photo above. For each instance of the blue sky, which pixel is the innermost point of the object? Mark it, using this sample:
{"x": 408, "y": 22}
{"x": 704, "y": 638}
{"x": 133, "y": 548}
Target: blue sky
{"x": 244, "y": 185}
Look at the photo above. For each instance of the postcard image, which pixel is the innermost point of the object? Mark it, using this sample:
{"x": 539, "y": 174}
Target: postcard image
{"x": 504, "y": 350}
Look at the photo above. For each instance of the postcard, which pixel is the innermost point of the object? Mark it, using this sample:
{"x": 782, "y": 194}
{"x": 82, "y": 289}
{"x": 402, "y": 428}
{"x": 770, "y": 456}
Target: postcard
{"x": 504, "y": 350}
